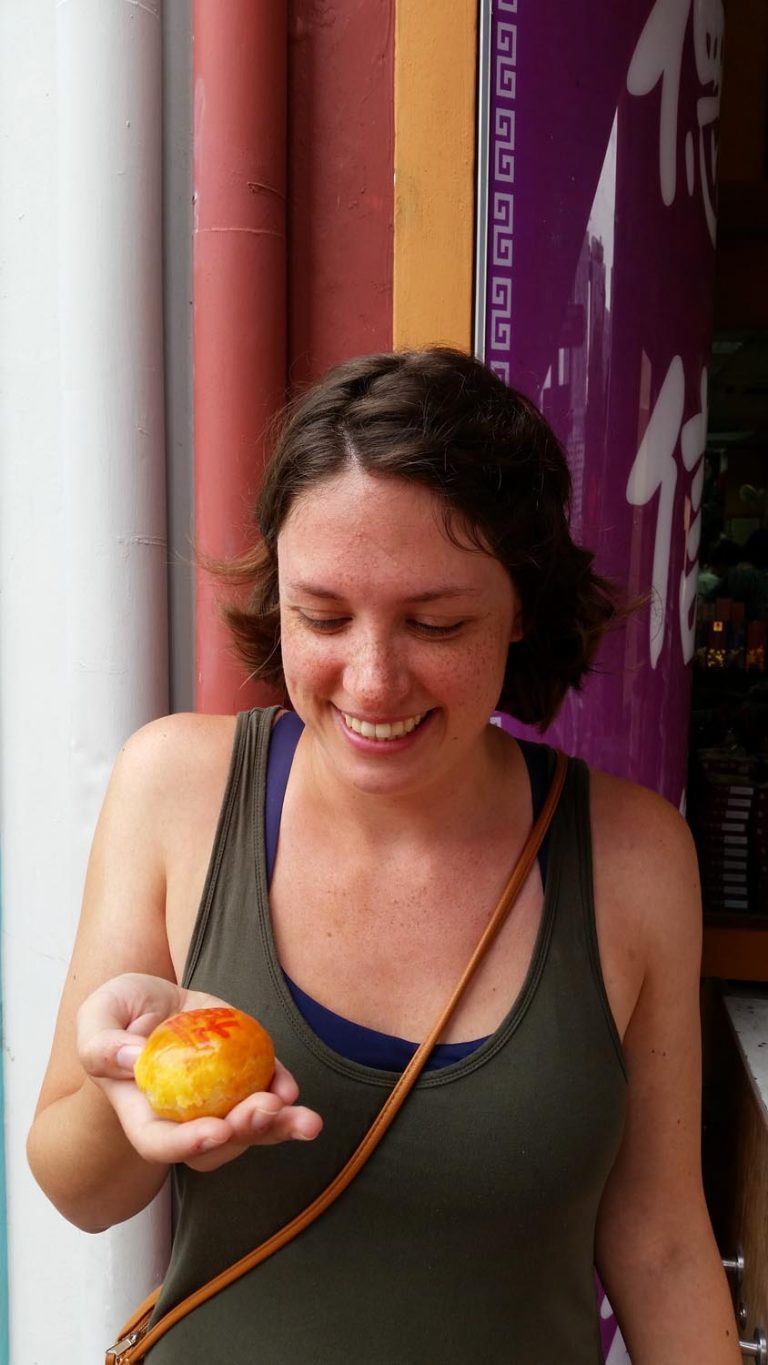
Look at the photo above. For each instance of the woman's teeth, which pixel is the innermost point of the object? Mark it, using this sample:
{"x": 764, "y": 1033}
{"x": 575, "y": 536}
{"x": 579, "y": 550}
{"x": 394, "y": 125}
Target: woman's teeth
{"x": 396, "y": 730}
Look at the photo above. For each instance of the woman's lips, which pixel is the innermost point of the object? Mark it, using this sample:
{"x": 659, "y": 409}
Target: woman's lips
{"x": 383, "y": 736}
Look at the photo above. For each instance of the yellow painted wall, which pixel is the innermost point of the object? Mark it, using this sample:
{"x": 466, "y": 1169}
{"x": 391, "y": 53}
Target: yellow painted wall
{"x": 435, "y": 99}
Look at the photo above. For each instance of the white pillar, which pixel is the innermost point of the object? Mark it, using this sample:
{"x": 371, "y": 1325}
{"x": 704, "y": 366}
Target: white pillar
{"x": 83, "y": 628}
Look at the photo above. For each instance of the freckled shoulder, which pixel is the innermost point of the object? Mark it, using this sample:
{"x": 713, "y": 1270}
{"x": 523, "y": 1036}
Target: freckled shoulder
{"x": 184, "y": 761}
{"x": 173, "y": 756}
{"x": 645, "y": 868}
{"x": 631, "y": 822}
{"x": 169, "y": 781}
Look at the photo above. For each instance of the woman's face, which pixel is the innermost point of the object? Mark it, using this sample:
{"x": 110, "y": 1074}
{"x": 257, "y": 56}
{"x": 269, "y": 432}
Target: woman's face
{"x": 394, "y": 640}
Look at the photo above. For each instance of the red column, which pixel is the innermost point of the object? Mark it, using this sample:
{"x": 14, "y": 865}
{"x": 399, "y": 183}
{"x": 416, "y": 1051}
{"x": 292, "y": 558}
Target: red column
{"x": 239, "y": 285}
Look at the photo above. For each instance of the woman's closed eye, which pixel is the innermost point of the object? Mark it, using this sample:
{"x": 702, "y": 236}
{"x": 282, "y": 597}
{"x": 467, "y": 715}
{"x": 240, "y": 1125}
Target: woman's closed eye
{"x": 437, "y": 632}
{"x": 322, "y": 624}
{"x": 327, "y": 625}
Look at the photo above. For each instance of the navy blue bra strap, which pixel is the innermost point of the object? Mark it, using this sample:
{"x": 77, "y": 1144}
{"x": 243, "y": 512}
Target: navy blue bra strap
{"x": 282, "y": 746}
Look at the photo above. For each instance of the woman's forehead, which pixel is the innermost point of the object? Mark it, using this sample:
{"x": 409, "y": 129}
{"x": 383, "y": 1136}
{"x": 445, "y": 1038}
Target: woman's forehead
{"x": 356, "y": 510}
{"x": 372, "y": 529}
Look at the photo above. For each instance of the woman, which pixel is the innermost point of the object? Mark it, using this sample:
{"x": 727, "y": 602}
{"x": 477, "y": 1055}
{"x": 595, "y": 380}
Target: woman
{"x": 414, "y": 571}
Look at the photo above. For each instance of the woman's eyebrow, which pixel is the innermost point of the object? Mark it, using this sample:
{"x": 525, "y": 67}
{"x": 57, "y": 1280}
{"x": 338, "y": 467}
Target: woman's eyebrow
{"x": 314, "y": 590}
{"x": 430, "y": 595}
{"x": 436, "y": 593}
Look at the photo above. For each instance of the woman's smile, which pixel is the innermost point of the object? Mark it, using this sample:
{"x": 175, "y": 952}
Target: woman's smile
{"x": 382, "y": 729}
{"x": 389, "y": 735}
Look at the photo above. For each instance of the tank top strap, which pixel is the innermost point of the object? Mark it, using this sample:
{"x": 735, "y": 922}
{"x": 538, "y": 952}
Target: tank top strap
{"x": 237, "y": 851}
{"x": 574, "y": 942}
{"x": 538, "y": 761}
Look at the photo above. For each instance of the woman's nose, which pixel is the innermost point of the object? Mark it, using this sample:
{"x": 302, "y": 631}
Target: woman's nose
{"x": 376, "y": 675}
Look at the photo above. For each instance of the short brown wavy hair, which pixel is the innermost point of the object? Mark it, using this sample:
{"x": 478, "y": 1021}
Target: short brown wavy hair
{"x": 442, "y": 419}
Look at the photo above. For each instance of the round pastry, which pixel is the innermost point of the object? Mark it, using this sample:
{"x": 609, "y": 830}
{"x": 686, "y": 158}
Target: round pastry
{"x": 201, "y": 1063}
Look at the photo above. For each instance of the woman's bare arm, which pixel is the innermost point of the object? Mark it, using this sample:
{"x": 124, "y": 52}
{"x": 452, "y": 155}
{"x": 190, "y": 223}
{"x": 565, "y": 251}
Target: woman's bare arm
{"x": 656, "y": 1251}
{"x": 94, "y": 1146}
{"x": 77, "y": 1149}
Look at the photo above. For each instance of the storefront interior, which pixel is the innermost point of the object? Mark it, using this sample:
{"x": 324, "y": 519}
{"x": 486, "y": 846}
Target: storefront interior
{"x": 728, "y": 769}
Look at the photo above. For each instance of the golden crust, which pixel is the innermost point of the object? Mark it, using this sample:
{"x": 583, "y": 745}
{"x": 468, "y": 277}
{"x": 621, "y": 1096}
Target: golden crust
{"x": 201, "y": 1063}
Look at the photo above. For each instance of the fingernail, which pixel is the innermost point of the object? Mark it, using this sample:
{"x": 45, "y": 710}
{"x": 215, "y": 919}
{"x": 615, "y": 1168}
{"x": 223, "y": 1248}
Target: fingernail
{"x": 259, "y": 1120}
{"x": 127, "y": 1055}
{"x": 208, "y": 1144}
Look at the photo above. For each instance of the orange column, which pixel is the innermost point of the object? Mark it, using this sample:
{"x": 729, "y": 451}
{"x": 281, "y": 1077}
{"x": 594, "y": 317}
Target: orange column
{"x": 435, "y": 80}
{"x": 239, "y": 286}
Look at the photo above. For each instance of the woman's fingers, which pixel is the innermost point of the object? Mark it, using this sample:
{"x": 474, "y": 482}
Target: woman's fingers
{"x": 138, "y": 1002}
{"x": 119, "y": 1015}
{"x": 283, "y": 1084}
{"x": 114, "y": 1021}
{"x": 264, "y": 1129}
{"x": 110, "y": 1054}
{"x": 262, "y": 1119}
{"x": 126, "y": 998}
{"x": 295, "y": 1122}
{"x": 160, "y": 1140}
{"x": 205, "y": 1144}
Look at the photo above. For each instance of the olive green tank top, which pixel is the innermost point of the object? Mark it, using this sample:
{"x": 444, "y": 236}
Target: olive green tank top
{"x": 468, "y": 1236}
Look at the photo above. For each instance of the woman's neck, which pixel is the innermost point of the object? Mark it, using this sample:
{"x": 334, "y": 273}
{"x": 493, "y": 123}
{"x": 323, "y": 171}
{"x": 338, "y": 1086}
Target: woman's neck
{"x": 464, "y": 803}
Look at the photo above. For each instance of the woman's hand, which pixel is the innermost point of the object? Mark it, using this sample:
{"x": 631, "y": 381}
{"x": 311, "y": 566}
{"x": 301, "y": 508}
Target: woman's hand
{"x": 112, "y": 1025}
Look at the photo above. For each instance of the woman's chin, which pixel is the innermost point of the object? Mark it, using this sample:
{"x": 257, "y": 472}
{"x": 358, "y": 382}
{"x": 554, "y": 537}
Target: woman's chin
{"x": 383, "y": 767}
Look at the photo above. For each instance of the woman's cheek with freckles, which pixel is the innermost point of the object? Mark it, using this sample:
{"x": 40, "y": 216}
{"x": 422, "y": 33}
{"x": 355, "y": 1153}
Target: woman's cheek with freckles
{"x": 480, "y": 670}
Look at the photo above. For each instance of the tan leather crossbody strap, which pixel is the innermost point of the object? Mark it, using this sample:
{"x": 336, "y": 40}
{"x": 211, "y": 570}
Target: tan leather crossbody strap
{"x": 135, "y": 1341}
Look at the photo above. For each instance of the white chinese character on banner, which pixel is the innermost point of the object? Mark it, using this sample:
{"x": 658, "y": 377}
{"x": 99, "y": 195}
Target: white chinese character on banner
{"x": 658, "y": 56}
{"x": 693, "y": 440}
{"x": 655, "y": 470}
{"x": 708, "y": 26}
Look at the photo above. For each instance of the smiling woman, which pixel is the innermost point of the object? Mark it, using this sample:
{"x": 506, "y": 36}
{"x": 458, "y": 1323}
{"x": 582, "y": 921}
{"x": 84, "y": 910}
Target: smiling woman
{"x": 329, "y": 869}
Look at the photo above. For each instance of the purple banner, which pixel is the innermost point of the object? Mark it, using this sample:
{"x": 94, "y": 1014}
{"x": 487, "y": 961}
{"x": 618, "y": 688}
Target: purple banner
{"x": 602, "y": 146}
{"x": 599, "y": 278}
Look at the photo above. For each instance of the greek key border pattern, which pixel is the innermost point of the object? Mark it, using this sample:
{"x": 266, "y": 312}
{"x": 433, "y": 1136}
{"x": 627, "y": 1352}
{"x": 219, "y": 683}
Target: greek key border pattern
{"x": 501, "y": 198}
